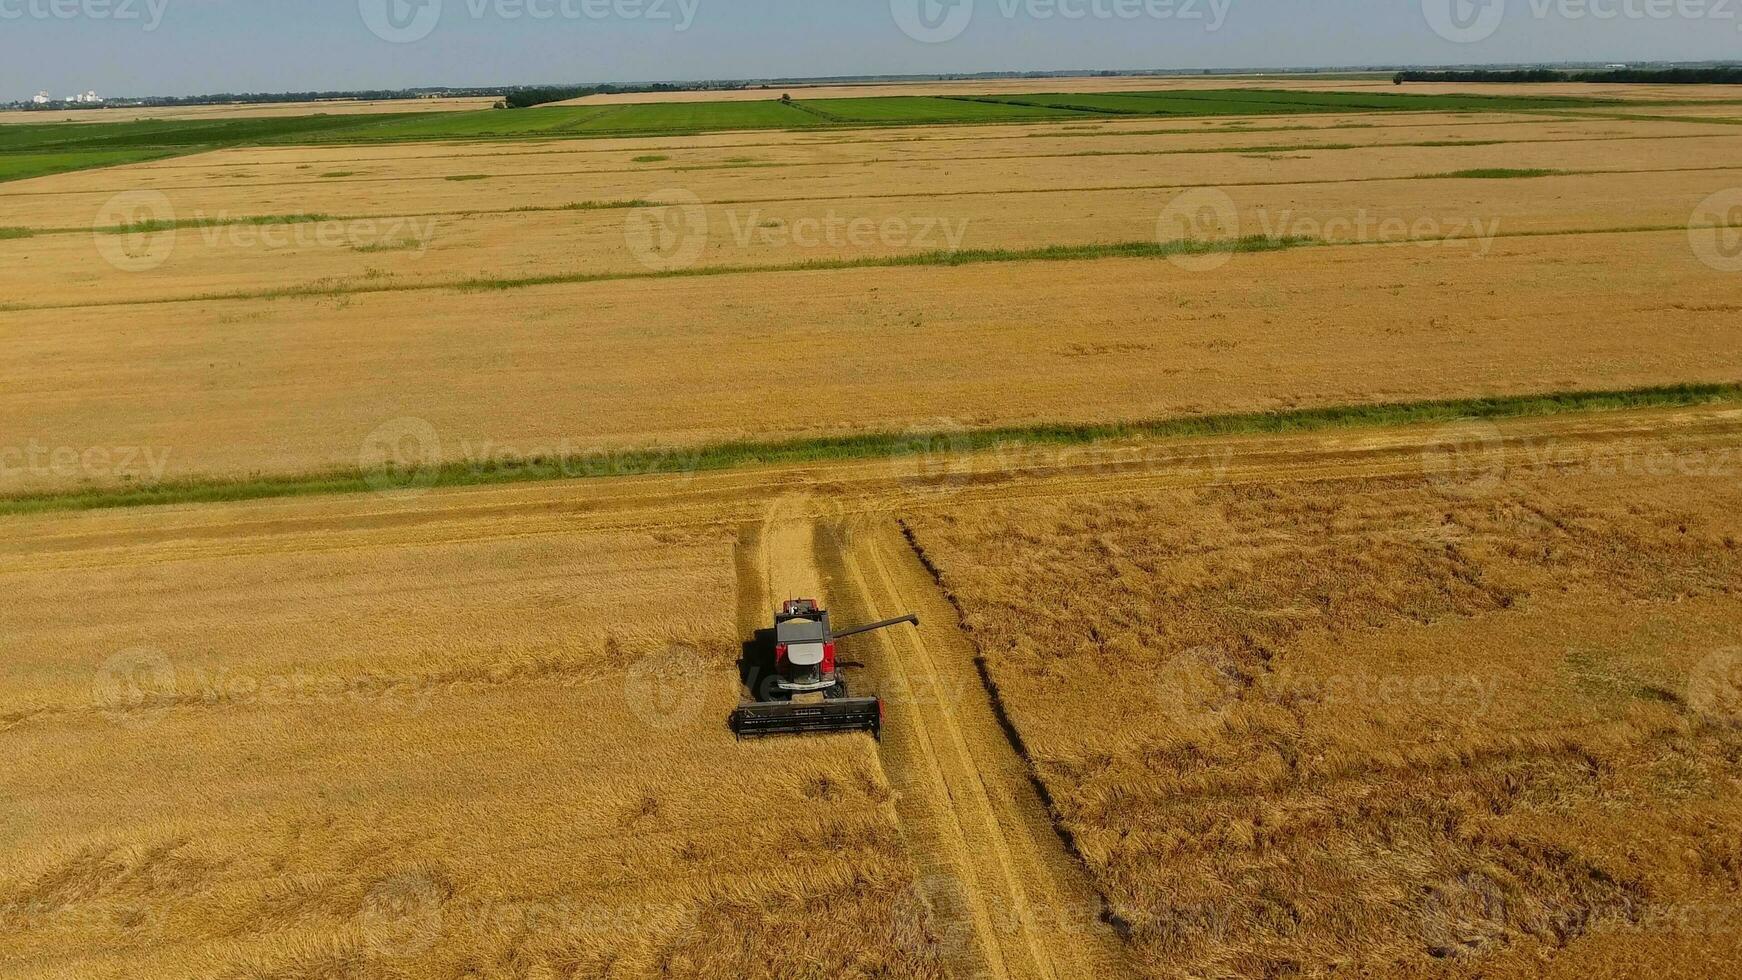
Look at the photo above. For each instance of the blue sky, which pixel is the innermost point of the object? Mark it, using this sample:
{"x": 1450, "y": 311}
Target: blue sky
{"x": 178, "y": 47}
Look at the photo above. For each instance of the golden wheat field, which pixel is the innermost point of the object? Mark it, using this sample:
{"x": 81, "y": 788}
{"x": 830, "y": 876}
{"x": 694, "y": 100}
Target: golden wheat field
{"x": 1355, "y": 707}
{"x": 1481, "y": 723}
{"x": 457, "y": 755}
{"x": 1388, "y": 625}
{"x": 519, "y": 332}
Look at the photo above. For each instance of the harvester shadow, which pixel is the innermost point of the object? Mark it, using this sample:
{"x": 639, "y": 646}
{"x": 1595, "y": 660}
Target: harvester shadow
{"x": 756, "y": 667}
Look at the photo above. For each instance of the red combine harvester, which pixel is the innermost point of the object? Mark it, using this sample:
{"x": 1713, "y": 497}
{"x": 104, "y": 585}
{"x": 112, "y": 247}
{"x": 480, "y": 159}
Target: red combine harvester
{"x": 804, "y": 693}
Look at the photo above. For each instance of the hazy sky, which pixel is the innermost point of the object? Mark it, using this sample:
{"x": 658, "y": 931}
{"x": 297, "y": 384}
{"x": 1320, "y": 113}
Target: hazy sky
{"x": 179, "y": 47}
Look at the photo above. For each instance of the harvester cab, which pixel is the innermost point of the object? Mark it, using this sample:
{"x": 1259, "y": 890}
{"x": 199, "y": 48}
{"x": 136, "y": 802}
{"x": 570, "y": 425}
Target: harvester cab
{"x": 804, "y": 651}
{"x": 807, "y": 692}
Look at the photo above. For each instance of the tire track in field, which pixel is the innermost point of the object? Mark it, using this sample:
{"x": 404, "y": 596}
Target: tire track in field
{"x": 774, "y": 561}
{"x": 782, "y": 550}
{"x": 1014, "y": 901}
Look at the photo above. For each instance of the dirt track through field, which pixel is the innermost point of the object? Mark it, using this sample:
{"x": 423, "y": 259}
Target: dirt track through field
{"x": 1006, "y": 896}
{"x": 1011, "y": 900}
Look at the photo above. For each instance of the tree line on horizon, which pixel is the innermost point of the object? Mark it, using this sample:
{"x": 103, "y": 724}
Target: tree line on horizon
{"x": 1731, "y": 75}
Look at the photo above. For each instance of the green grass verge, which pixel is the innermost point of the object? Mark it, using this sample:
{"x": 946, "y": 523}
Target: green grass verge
{"x": 142, "y": 227}
{"x": 911, "y": 109}
{"x": 1497, "y": 173}
{"x": 25, "y": 165}
{"x": 976, "y": 256}
{"x": 731, "y": 455}
{"x": 167, "y": 224}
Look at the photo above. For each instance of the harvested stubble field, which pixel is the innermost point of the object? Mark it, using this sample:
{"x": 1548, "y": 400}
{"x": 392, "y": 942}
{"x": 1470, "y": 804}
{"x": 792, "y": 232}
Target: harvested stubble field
{"x": 357, "y": 752}
{"x": 1355, "y": 707}
{"x": 391, "y": 736}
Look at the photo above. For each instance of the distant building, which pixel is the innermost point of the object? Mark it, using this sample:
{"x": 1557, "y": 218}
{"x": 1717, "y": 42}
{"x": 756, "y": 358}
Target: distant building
{"x": 1616, "y": 67}
{"x": 41, "y": 98}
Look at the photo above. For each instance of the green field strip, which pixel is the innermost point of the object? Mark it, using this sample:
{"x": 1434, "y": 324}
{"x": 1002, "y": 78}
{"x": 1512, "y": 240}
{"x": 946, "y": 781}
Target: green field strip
{"x": 35, "y": 149}
{"x": 916, "y": 109}
{"x": 737, "y": 455}
{"x": 46, "y": 163}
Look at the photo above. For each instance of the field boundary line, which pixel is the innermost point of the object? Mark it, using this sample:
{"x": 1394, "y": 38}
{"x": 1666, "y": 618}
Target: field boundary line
{"x": 651, "y": 462}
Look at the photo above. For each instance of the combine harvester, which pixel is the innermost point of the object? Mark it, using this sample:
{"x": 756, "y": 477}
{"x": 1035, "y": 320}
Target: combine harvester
{"x": 806, "y": 693}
